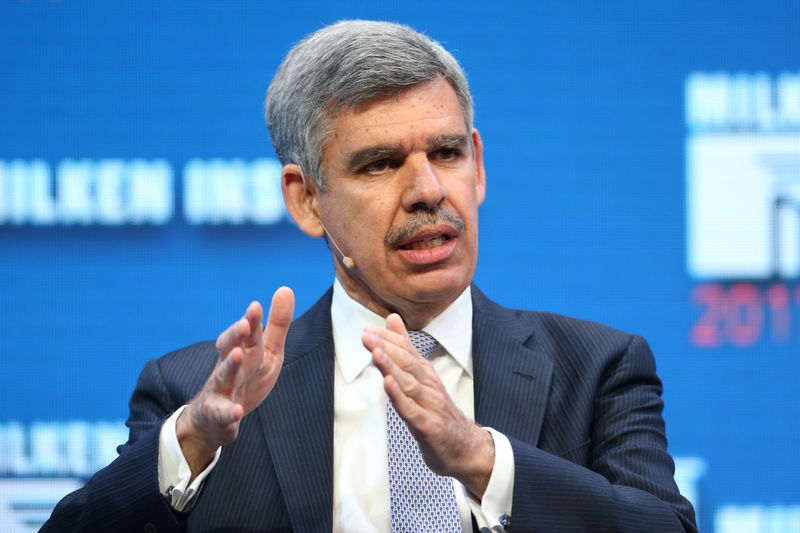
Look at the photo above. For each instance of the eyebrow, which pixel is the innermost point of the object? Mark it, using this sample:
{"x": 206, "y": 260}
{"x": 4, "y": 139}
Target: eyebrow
{"x": 369, "y": 154}
{"x": 456, "y": 140}
{"x": 372, "y": 153}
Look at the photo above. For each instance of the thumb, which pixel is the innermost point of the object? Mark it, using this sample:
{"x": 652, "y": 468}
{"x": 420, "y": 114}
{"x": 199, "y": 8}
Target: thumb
{"x": 281, "y": 311}
{"x": 395, "y": 323}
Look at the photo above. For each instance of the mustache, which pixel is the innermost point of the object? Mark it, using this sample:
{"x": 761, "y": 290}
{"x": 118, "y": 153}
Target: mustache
{"x": 421, "y": 218}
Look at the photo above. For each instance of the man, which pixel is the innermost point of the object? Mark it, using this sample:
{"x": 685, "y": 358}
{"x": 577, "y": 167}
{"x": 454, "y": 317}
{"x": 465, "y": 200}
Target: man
{"x": 302, "y": 425}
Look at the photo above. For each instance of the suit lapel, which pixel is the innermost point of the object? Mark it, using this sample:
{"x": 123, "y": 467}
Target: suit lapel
{"x": 297, "y": 418}
{"x": 512, "y": 380}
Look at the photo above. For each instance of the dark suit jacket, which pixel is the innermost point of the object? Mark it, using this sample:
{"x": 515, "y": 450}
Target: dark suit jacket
{"x": 579, "y": 402}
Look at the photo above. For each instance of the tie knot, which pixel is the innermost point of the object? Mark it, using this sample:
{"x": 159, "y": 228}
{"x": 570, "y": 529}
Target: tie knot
{"x": 424, "y": 343}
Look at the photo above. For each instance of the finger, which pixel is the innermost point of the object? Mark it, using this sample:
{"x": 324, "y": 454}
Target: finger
{"x": 254, "y": 317}
{"x": 383, "y": 361}
{"x": 399, "y": 356}
{"x": 224, "y": 377}
{"x": 383, "y": 337}
{"x": 221, "y": 411}
{"x": 280, "y": 317}
{"x": 406, "y": 382}
{"x": 237, "y": 412}
{"x": 397, "y": 336}
{"x": 395, "y": 324}
{"x": 397, "y": 333}
{"x": 408, "y": 409}
{"x": 396, "y": 345}
{"x": 232, "y": 336}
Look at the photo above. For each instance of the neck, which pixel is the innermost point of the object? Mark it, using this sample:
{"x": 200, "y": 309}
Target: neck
{"x": 416, "y": 314}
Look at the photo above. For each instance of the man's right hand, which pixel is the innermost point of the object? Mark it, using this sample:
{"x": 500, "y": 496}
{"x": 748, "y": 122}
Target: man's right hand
{"x": 250, "y": 359}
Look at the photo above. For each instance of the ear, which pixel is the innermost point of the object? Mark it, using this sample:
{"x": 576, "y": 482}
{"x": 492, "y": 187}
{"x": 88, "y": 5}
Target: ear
{"x": 480, "y": 172}
{"x": 301, "y": 200}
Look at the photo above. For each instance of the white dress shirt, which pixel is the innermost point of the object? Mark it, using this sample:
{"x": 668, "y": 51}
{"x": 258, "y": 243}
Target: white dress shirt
{"x": 360, "y": 469}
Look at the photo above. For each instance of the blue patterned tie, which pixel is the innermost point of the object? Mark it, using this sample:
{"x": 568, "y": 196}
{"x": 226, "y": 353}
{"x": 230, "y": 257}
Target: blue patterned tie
{"x": 420, "y": 500}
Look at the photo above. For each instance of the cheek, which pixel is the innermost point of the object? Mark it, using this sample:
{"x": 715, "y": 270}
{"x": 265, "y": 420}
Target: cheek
{"x": 373, "y": 214}
{"x": 366, "y": 222}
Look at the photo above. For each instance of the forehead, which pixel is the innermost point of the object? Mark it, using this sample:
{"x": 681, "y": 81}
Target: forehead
{"x": 423, "y": 111}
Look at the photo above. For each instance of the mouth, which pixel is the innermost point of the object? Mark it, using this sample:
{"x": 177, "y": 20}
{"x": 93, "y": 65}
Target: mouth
{"x": 426, "y": 229}
{"x": 430, "y": 246}
{"x": 428, "y": 238}
{"x": 426, "y": 243}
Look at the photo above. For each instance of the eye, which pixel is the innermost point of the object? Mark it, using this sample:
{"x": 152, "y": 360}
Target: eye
{"x": 376, "y": 166}
{"x": 380, "y": 166}
{"x": 448, "y": 154}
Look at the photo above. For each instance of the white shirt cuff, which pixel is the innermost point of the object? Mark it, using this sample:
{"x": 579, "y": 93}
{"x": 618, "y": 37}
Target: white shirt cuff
{"x": 173, "y": 470}
{"x": 494, "y": 509}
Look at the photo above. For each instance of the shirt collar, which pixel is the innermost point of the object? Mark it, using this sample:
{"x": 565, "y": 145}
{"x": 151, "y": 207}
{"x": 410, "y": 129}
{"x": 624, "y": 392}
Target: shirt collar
{"x": 452, "y": 328}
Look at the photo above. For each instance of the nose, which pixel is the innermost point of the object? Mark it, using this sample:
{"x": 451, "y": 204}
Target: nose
{"x": 425, "y": 189}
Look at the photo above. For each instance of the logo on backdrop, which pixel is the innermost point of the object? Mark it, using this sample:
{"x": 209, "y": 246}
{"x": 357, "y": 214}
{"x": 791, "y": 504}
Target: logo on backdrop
{"x": 743, "y": 229}
{"x": 743, "y": 206}
{"x": 114, "y": 192}
{"x": 743, "y": 175}
{"x": 42, "y": 461}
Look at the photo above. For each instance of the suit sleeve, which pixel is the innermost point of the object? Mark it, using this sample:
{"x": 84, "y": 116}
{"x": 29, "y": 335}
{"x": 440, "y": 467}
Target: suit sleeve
{"x": 124, "y": 496}
{"x": 627, "y": 485}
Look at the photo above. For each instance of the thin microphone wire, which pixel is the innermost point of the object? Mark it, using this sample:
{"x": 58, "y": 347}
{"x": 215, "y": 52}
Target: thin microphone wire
{"x": 347, "y": 261}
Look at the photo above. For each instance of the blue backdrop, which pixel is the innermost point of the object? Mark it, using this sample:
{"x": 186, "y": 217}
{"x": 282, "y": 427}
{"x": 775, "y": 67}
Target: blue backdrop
{"x": 643, "y": 170}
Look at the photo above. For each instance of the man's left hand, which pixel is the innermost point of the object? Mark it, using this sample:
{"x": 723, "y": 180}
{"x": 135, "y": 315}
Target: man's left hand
{"x": 451, "y": 444}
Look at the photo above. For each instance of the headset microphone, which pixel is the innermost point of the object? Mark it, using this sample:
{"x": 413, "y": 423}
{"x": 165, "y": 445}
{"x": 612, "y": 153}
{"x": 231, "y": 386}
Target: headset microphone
{"x": 347, "y": 261}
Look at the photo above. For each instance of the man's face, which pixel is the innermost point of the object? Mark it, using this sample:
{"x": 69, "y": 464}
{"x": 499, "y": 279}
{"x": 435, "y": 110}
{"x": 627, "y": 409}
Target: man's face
{"x": 405, "y": 178}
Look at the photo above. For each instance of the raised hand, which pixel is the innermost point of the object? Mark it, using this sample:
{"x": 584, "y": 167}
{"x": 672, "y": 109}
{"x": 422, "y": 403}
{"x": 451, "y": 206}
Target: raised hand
{"x": 250, "y": 359}
{"x": 450, "y": 443}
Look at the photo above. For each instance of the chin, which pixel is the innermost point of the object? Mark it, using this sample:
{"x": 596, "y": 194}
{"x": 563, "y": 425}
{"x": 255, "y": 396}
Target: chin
{"x": 439, "y": 286}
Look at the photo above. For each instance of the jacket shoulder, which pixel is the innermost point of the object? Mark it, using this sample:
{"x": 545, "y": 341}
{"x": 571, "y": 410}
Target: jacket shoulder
{"x": 554, "y": 335}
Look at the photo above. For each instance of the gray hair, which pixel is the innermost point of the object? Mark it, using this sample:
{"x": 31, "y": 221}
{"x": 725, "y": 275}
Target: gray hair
{"x": 345, "y": 65}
